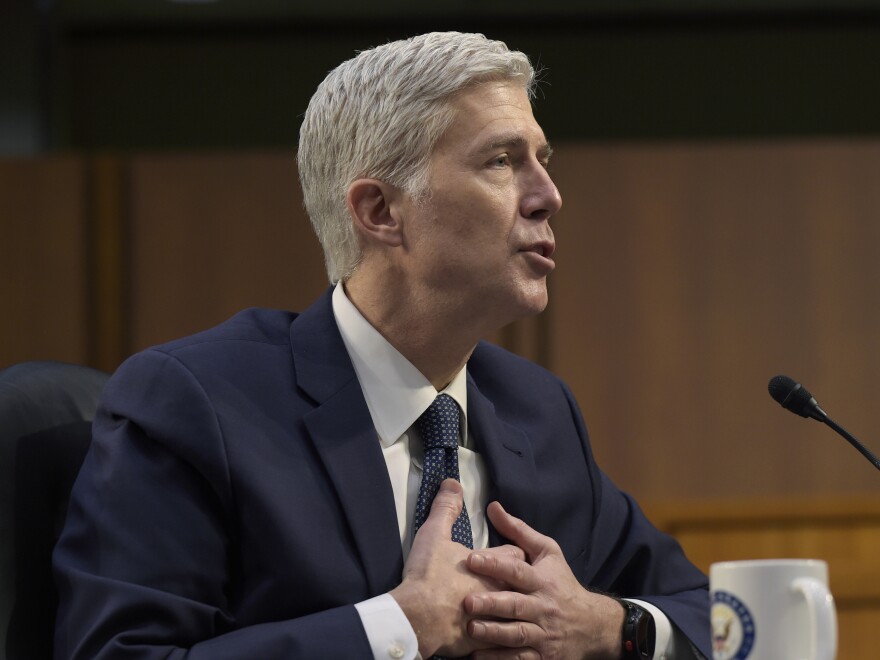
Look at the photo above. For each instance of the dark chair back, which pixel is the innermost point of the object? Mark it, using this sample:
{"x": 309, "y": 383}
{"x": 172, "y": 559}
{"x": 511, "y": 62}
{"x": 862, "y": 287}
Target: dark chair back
{"x": 46, "y": 412}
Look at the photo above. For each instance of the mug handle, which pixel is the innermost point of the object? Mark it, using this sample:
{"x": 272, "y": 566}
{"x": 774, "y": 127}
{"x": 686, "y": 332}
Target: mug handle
{"x": 820, "y": 604}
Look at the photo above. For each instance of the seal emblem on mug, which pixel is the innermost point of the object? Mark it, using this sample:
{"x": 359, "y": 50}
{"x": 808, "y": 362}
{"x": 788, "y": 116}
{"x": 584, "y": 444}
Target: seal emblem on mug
{"x": 733, "y": 628}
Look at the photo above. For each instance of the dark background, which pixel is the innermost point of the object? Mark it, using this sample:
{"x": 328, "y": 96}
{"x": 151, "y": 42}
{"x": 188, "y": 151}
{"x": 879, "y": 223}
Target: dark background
{"x": 156, "y": 74}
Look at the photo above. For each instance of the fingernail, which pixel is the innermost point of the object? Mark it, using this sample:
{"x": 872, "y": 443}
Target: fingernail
{"x": 478, "y": 627}
{"x": 478, "y": 560}
{"x": 476, "y": 604}
{"x": 448, "y": 486}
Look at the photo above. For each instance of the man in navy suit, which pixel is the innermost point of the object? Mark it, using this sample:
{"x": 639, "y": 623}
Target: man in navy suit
{"x": 251, "y": 490}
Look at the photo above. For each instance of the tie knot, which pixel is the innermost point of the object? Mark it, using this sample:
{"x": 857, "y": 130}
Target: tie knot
{"x": 439, "y": 423}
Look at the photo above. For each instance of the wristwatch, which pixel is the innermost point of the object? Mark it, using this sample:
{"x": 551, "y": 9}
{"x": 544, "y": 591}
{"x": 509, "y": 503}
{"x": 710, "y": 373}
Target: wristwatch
{"x": 638, "y": 632}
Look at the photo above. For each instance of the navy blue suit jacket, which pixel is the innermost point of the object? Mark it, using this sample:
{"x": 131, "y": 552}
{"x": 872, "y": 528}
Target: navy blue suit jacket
{"x": 235, "y": 502}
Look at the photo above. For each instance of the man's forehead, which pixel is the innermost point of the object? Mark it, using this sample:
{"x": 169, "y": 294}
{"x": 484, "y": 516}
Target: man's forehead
{"x": 494, "y": 115}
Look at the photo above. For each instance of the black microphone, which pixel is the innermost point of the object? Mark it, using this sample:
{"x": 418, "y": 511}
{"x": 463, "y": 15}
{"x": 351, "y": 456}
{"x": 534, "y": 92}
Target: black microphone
{"x": 794, "y": 397}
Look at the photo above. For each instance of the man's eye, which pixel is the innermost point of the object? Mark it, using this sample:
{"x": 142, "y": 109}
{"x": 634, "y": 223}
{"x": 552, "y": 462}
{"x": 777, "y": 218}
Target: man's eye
{"x": 500, "y": 161}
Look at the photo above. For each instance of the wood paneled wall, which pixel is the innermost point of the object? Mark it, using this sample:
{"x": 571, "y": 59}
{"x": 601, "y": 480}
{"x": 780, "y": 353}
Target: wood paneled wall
{"x": 44, "y": 260}
{"x": 212, "y": 234}
{"x": 688, "y": 275}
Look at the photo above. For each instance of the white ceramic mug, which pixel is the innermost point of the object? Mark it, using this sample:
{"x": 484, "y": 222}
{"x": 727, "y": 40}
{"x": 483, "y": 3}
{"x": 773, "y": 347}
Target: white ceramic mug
{"x": 772, "y": 609}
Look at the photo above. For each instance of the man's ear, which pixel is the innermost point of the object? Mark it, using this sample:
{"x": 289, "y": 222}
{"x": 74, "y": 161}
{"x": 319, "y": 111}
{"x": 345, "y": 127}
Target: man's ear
{"x": 372, "y": 205}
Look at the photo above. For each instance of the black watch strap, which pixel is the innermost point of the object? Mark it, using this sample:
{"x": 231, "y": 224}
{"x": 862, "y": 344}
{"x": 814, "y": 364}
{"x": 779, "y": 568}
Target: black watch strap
{"x": 638, "y": 632}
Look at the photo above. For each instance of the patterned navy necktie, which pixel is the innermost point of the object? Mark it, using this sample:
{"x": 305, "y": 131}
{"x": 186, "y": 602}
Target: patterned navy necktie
{"x": 439, "y": 428}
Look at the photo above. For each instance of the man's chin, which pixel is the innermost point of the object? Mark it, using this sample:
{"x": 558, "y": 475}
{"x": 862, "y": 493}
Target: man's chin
{"x": 537, "y": 298}
{"x": 531, "y": 303}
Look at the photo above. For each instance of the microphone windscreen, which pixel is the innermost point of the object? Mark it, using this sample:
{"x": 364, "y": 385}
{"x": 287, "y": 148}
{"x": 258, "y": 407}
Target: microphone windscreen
{"x": 792, "y": 396}
{"x": 780, "y": 387}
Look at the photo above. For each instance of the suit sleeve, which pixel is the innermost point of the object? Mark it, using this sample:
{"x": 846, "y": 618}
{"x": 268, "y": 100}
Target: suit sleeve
{"x": 146, "y": 564}
{"x": 630, "y": 558}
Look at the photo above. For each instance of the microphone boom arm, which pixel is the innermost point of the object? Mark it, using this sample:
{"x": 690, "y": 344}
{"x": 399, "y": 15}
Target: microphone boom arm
{"x": 851, "y": 440}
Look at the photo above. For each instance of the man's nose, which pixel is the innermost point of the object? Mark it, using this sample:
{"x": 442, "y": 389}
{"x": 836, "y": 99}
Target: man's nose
{"x": 542, "y": 199}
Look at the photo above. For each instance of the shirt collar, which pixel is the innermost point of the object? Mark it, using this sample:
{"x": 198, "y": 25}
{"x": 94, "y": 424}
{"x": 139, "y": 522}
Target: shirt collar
{"x": 396, "y": 392}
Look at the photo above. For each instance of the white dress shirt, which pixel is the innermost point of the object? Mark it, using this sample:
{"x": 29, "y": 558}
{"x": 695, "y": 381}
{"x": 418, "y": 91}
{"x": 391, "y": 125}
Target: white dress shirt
{"x": 397, "y": 394}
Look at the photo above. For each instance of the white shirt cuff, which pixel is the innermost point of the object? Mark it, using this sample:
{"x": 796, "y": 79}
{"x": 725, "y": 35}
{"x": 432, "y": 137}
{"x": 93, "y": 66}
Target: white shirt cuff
{"x": 388, "y": 630}
{"x": 670, "y": 643}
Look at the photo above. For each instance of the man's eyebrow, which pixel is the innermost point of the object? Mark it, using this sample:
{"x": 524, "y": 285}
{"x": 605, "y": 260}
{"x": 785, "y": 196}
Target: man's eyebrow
{"x": 545, "y": 151}
{"x": 516, "y": 140}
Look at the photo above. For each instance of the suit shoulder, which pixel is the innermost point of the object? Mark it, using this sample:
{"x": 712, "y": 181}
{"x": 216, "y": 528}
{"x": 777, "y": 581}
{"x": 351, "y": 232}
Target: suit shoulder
{"x": 523, "y": 392}
{"x": 246, "y": 351}
{"x": 254, "y": 325}
{"x": 494, "y": 367}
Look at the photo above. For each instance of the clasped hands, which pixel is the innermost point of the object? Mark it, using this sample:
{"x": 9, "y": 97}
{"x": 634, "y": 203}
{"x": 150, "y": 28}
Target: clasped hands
{"x": 514, "y": 601}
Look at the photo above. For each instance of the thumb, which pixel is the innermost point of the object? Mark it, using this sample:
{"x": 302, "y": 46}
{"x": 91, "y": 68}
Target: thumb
{"x": 445, "y": 509}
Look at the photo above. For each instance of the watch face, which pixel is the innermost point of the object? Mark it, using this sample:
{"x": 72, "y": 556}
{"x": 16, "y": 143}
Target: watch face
{"x": 639, "y": 632}
{"x": 647, "y": 634}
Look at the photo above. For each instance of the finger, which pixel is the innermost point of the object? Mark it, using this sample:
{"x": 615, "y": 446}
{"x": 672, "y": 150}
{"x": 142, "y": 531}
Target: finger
{"x": 520, "y": 575}
{"x": 445, "y": 509}
{"x": 512, "y": 528}
{"x": 512, "y": 634}
{"x": 507, "y": 550}
{"x": 503, "y": 605}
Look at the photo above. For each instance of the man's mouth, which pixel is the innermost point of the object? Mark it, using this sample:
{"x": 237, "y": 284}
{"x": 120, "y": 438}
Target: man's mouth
{"x": 543, "y": 248}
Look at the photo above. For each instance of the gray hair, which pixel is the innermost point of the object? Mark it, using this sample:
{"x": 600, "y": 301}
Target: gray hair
{"x": 379, "y": 115}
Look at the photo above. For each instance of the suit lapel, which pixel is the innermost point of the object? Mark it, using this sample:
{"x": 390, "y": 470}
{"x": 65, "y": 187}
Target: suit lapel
{"x": 509, "y": 459}
{"x": 342, "y": 432}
